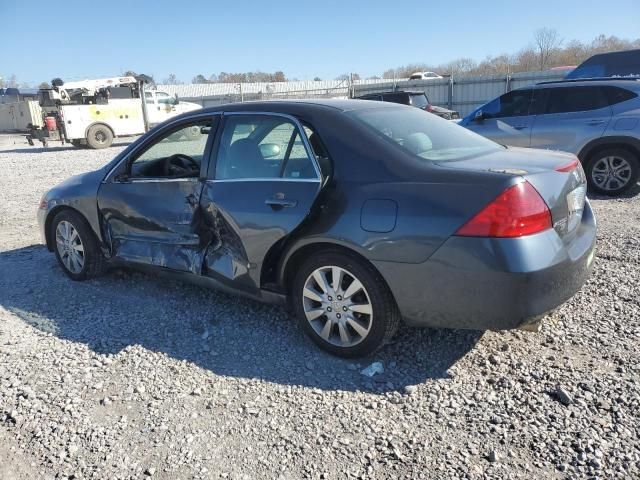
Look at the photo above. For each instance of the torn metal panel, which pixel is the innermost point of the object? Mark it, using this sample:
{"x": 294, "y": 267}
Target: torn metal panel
{"x": 154, "y": 222}
{"x": 242, "y": 227}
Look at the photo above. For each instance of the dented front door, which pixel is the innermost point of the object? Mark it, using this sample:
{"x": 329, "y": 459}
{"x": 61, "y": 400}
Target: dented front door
{"x": 150, "y": 207}
{"x": 262, "y": 187}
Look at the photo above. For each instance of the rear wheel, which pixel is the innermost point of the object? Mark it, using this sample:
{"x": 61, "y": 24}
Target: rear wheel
{"x": 612, "y": 171}
{"x": 75, "y": 246}
{"x": 344, "y": 305}
{"x": 99, "y": 136}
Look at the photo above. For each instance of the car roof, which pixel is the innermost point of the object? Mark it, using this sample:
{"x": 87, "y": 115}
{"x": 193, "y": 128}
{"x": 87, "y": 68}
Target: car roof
{"x": 618, "y": 82}
{"x": 294, "y": 106}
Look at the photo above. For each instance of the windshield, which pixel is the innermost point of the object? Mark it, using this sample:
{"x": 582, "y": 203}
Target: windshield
{"x": 424, "y": 134}
{"x": 419, "y": 100}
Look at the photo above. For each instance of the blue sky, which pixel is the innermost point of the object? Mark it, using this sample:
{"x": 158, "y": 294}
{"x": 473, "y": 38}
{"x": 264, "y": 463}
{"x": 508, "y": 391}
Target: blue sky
{"x": 304, "y": 39}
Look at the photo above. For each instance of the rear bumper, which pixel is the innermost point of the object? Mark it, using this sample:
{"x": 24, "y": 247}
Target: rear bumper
{"x": 493, "y": 283}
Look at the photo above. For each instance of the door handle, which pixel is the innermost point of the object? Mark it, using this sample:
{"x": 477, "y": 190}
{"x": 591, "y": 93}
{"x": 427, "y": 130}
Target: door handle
{"x": 595, "y": 122}
{"x": 276, "y": 202}
{"x": 520, "y": 127}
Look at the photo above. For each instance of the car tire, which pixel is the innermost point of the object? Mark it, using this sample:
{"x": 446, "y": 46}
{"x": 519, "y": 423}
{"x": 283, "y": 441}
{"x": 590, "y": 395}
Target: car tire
{"x": 603, "y": 163}
{"x": 342, "y": 324}
{"x": 99, "y": 136}
{"x": 77, "y": 253}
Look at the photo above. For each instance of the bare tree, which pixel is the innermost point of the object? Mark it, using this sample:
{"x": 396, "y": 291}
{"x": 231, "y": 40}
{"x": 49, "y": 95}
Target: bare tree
{"x": 172, "y": 79}
{"x": 458, "y": 67}
{"x": 546, "y": 41}
{"x": 199, "y": 79}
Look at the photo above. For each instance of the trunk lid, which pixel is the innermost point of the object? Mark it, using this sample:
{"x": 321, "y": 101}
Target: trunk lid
{"x": 563, "y": 192}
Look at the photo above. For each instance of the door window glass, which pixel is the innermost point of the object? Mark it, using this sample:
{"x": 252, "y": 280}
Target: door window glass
{"x": 575, "y": 99}
{"x": 262, "y": 146}
{"x": 148, "y": 98}
{"x": 618, "y": 95}
{"x": 513, "y": 104}
{"x": 175, "y": 154}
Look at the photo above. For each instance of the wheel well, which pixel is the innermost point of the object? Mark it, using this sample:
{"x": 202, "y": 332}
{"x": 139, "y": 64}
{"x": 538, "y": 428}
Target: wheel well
{"x": 299, "y": 256}
{"x": 86, "y": 132}
{"x": 589, "y": 151}
{"x": 47, "y": 223}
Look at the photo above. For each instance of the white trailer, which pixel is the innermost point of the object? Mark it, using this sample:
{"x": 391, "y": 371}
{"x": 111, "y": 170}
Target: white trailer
{"x": 94, "y": 112}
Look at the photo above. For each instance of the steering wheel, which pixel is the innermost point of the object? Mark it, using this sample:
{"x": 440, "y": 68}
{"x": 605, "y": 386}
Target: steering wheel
{"x": 180, "y": 164}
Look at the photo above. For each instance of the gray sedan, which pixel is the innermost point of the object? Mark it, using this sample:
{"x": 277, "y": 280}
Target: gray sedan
{"x": 357, "y": 214}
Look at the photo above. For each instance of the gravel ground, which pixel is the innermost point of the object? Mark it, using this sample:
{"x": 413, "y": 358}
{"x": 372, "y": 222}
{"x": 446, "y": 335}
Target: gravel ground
{"x": 132, "y": 376}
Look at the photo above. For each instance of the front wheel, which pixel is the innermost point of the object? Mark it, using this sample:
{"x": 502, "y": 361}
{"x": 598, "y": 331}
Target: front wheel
{"x": 75, "y": 246}
{"x": 612, "y": 171}
{"x": 344, "y": 305}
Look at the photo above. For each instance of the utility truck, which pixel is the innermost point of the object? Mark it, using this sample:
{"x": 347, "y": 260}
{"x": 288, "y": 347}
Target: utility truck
{"x": 93, "y": 112}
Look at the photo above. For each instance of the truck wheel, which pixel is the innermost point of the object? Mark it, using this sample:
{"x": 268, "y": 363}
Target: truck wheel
{"x": 99, "y": 136}
{"x": 612, "y": 171}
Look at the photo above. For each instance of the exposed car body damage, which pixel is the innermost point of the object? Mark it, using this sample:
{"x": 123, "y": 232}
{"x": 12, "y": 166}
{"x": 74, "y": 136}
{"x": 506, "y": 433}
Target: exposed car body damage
{"x": 384, "y": 204}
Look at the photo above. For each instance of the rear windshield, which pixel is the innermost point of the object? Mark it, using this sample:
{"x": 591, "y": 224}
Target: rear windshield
{"x": 425, "y": 135}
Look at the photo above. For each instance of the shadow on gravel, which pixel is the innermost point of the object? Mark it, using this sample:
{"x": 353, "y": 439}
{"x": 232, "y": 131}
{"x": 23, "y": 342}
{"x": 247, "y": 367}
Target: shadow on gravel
{"x": 227, "y": 335}
{"x": 37, "y": 149}
{"x": 632, "y": 192}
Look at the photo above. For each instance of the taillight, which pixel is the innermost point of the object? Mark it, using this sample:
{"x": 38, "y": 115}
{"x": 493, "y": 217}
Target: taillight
{"x": 518, "y": 211}
{"x": 567, "y": 167}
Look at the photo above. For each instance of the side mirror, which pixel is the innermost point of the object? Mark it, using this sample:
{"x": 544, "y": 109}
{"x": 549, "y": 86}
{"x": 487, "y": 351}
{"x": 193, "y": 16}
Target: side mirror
{"x": 479, "y": 116}
{"x": 176, "y": 100}
{"x": 269, "y": 150}
{"x": 121, "y": 178}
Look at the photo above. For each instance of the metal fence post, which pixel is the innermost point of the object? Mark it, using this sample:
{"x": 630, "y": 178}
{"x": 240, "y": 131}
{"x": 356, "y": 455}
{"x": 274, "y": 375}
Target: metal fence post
{"x": 450, "y": 99}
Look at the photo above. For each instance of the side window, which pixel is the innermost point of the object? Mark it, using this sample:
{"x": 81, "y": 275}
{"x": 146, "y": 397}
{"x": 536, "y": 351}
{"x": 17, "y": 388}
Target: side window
{"x": 262, "y": 146}
{"x": 148, "y": 98}
{"x": 319, "y": 150}
{"x": 176, "y": 154}
{"x": 618, "y": 95}
{"x": 513, "y": 104}
{"x": 575, "y": 99}
{"x": 539, "y": 101}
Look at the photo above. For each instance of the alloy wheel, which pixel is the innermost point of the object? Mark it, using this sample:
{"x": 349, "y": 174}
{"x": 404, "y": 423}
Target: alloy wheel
{"x": 611, "y": 173}
{"x": 70, "y": 247}
{"x": 337, "y": 306}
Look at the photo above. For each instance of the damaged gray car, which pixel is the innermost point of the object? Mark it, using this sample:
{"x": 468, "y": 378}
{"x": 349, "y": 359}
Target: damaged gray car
{"x": 357, "y": 214}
